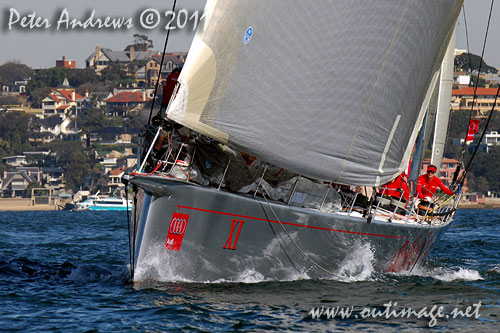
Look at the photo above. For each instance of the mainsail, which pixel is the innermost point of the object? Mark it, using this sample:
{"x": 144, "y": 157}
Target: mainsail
{"x": 328, "y": 89}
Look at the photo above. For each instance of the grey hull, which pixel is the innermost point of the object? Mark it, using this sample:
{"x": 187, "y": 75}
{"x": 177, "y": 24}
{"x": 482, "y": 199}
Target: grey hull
{"x": 189, "y": 232}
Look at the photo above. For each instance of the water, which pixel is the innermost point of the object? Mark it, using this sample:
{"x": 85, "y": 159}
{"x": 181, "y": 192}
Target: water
{"x": 66, "y": 271}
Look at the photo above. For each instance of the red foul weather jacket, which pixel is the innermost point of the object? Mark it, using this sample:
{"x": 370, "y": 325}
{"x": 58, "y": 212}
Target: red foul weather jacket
{"x": 168, "y": 88}
{"x": 427, "y": 187}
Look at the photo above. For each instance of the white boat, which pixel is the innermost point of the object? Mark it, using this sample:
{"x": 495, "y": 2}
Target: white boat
{"x": 329, "y": 97}
{"x": 101, "y": 203}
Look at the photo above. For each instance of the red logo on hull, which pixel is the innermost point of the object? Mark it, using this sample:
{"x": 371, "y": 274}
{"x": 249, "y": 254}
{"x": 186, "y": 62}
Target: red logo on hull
{"x": 176, "y": 231}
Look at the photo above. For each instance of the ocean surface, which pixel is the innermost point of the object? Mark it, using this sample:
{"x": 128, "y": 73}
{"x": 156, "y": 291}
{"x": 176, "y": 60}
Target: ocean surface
{"x": 67, "y": 271}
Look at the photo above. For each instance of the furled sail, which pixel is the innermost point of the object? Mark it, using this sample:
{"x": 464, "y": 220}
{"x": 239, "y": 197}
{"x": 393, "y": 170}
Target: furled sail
{"x": 443, "y": 107}
{"x": 328, "y": 89}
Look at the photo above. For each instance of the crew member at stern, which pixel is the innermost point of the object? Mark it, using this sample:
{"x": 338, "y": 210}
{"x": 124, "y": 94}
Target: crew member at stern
{"x": 428, "y": 183}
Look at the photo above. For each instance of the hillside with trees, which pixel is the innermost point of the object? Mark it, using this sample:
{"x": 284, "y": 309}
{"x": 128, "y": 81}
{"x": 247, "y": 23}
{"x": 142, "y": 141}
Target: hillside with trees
{"x": 484, "y": 173}
{"x": 468, "y": 62}
{"x": 11, "y": 72}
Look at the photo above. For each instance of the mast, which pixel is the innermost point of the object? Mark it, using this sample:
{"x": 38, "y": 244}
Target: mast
{"x": 443, "y": 105}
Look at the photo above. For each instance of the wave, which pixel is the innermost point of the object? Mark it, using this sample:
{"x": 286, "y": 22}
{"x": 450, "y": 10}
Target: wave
{"x": 24, "y": 268}
{"x": 95, "y": 273}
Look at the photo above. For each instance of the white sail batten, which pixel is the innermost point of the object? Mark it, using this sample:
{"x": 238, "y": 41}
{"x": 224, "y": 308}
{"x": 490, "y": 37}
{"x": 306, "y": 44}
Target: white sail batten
{"x": 316, "y": 88}
{"x": 443, "y": 105}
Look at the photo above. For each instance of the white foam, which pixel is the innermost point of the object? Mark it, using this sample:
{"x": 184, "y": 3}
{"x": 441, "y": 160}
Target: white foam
{"x": 448, "y": 274}
{"x": 358, "y": 266}
{"x": 157, "y": 266}
{"x": 249, "y": 276}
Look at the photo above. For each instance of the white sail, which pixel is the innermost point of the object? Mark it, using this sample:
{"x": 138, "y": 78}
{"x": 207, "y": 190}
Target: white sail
{"x": 443, "y": 107}
{"x": 329, "y": 89}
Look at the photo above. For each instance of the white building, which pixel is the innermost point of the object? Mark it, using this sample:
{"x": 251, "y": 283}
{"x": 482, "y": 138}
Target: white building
{"x": 62, "y": 101}
{"x": 491, "y": 139}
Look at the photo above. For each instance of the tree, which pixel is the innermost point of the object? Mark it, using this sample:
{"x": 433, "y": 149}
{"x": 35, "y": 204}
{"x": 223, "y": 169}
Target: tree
{"x": 93, "y": 119}
{"x": 13, "y": 71}
{"x": 79, "y": 76}
{"x": 37, "y": 95}
{"x": 116, "y": 74}
{"x": 15, "y": 129}
{"x": 9, "y": 100}
{"x": 480, "y": 84}
{"x": 72, "y": 157}
{"x": 485, "y": 171}
{"x": 78, "y": 165}
{"x": 50, "y": 77}
{"x": 141, "y": 43}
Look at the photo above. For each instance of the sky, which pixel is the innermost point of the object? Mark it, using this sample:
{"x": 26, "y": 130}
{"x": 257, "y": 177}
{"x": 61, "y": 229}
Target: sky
{"x": 38, "y": 45}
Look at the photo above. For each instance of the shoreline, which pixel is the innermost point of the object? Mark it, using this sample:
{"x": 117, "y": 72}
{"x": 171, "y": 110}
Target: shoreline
{"x": 478, "y": 206}
{"x": 25, "y": 205}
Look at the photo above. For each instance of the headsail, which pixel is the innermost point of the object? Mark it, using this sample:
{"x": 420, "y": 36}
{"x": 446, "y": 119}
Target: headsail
{"x": 328, "y": 89}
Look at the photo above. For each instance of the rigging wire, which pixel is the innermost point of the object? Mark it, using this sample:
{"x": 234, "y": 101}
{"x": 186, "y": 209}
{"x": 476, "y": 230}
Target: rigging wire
{"x": 469, "y": 71}
{"x": 161, "y": 67}
{"x": 481, "y": 138}
{"x": 462, "y": 177}
{"x": 467, "y": 39}
{"x": 479, "y": 69}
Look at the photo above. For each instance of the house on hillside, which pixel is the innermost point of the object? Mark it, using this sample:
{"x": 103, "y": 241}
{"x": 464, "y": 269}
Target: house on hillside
{"x": 108, "y": 164}
{"x": 95, "y": 100}
{"x": 18, "y": 88}
{"x": 63, "y": 101}
{"x": 51, "y": 125}
{"x": 127, "y": 161}
{"x": 102, "y": 57}
{"x": 41, "y": 138}
{"x": 36, "y": 157}
{"x": 115, "y": 135}
{"x": 147, "y": 75}
{"x": 121, "y": 103}
{"x": 66, "y": 63}
{"x": 462, "y": 99}
{"x": 54, "y": 178}
{"x": 461, "y": 79}
{"x": 16, "y": 183}
{"x": 115, "y": 185}
{"x": 17, "y": 160}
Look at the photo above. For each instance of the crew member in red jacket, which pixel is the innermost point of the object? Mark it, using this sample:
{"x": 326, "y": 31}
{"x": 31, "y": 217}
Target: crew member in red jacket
{"x": 427, "y": 184}
{"x": 398, "y": 185}
{"x": 169, "y": 87}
